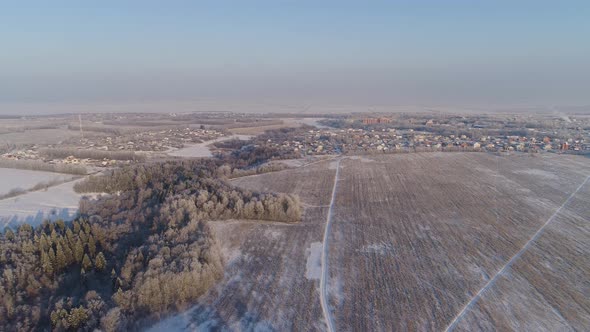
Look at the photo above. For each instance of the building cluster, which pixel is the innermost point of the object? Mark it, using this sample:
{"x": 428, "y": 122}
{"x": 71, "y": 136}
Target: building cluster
{"x": 34, "y": 155}
{"x": 332, "y": 141}
{"x": 105, "y": 146}
{"x": 28, "y": 154}
{"x": 372, "y": 121}
{"x": 160, "y": 140}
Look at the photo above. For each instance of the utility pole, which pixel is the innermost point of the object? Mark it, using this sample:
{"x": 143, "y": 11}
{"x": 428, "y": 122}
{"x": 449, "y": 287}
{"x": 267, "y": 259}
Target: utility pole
{"x": 80, "y": 119}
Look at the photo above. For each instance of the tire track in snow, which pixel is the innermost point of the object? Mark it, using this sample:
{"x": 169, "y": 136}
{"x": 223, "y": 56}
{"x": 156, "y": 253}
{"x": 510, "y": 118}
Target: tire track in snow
{"x": 492, "y": 281}
{"x": 323, "y": 289}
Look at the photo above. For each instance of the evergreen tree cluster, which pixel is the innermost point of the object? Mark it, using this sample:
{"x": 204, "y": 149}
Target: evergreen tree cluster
{"x": 136, "y": 253}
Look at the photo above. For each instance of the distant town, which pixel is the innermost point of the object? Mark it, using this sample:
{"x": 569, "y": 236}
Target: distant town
{"x": 356, "y": 135}
{"x": 342, "y": 134}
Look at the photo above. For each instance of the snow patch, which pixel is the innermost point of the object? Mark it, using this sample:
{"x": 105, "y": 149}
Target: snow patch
{"x": 381, "y": 248}
{"x": 231, "y": 255}
{"x": 311, "y": 122}
{"x": 313, "y": 267}
{"x": 292, "y": 162}
{"x": 186, "y": 322}
{"x": 333, "y": 165}
{"x": 201, "y": 150}
{"x": 25, "y": 179}
{"x": 59, "y": 202}
{"x": 538, "y": 172}
{"x": 272, "y": 233}
{"x": 337, "y": 291}
{"x": 362, "y": 159}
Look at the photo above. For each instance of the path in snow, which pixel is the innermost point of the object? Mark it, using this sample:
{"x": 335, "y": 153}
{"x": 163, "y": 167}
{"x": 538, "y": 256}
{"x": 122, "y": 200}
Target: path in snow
{"x": 323, "y": 289}
{"x": 492, "y": 281}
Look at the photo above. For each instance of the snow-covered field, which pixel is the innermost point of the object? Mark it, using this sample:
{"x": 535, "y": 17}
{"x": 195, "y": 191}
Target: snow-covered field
{"x": 416, "y": 242}
{"x": 59, "y": 202}
{"x": 313, "y": 268}
{"x": 202, "y": 149}
{"x": 25, "y": 179}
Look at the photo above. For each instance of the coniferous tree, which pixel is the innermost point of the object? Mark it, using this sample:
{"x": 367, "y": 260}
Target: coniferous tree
{"x": 53, "y": 237}
{"x": 51, "y": 256}
{"x": 86, "y": 263}
{"x": 60, "y": 258}
{"x": 46, "y": 263}
{"x": 100, "y": 262}
{"x": 79, "y": 251}
{"x": 70, "y": 237}
{"x": 9, "y": 234}
{"x": 91, "y": 246}
{"x": 69, "y": 254}
{"x": 43, "y": 245}
{"x": 77, "y": 317}
{"x": 76, "y": 226}
{"x": 60, "y": 224}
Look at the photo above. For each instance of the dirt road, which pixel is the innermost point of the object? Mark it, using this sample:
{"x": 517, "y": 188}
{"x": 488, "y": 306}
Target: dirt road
{"x": 325, "y": 249}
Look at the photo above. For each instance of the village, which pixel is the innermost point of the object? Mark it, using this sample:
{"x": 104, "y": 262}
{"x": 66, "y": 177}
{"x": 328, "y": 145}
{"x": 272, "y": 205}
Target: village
{"x": 105, "y": 150}
{"x": 335, "y": 134}
{"x": 150, "y": 140}
{"x": 384, "y": 135}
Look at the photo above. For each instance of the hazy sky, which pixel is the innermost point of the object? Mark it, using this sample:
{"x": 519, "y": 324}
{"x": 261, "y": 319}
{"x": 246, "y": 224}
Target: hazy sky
{"x": 359, "y": 52}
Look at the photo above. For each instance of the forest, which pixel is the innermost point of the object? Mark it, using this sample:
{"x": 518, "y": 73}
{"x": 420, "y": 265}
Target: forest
{"x": 137, "y": 253}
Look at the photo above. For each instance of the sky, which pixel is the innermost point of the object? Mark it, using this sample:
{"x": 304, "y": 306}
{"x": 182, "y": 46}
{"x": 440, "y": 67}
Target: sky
{"x": 296, "y": 52}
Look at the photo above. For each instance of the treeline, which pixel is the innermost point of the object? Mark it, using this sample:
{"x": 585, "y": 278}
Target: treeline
{"x": 234, "y": 144}
{"x": 251, "y": 156}
{"x": 198, "y": 181}
{"x": 284, "y": 134}
{"x": 22, "y": 129}
{"x": 254, "y": 123}
{"x": 167, "y": 123}
{"x": 107, "y": 130}
{"x": 7, "y": 147}
{"x": 91, "y": 154}
{"x": 37, "y": 165}
{"x": 247, "y": 157}
{"x": 228, "y": 172}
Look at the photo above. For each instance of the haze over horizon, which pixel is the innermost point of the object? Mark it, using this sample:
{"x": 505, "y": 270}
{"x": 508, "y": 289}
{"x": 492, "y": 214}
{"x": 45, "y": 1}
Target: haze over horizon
{"x": 425, "y": 53}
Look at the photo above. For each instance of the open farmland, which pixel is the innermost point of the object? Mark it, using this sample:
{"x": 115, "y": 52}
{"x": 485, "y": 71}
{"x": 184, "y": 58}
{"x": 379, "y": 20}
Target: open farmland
{"x": 26, "y": 179}
{"x": 35, "y": 136}
{"x": 58, "y": 202}
{"x": 414, "y": 242}
{"x": 416, "y": 237}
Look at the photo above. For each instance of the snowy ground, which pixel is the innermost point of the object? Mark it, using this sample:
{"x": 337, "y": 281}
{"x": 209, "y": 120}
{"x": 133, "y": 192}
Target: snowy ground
{"x": 202, "y": 149}
{"x": 417, "y": 242}
{"x": 59, "y": 202}
{"x": 311, "y": 122}
{"x": 25, "y": 179}
{"x": 313, "y": 268}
